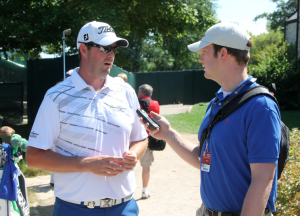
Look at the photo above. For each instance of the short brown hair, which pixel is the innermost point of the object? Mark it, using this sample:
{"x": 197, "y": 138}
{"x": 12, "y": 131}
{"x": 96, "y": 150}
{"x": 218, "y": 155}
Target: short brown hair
{"x": 241, "y": 56}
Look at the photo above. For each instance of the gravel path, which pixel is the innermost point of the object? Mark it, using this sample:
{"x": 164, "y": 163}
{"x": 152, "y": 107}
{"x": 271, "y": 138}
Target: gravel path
{"x": 174, "y": 187}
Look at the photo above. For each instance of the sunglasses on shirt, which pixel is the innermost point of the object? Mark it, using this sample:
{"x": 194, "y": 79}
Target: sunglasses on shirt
{"x": 104, "y": 49}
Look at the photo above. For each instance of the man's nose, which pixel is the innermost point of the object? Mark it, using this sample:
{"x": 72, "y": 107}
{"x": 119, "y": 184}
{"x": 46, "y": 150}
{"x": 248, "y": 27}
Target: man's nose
{"x": 201, "y": 60}
{"x": 111, "y": 54}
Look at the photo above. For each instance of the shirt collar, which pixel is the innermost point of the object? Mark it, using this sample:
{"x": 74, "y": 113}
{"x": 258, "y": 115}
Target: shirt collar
{"x": 219, "y": 94}
{"x": 80, "y": 84}
{"x": 109, "y": 83}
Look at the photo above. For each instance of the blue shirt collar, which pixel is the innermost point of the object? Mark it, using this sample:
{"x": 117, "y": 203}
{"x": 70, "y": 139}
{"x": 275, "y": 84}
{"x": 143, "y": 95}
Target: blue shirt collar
{"x": 219, "y": 94}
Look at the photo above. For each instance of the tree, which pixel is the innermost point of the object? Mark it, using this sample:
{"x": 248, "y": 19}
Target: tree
{"x": 142, "y": 55}
{"x": 261, "y": 43}
{"x": 284, "y": 10}
{"x": 28, "y": 25}
{"x": 177, "y": 47}
{"x": 164, "y": 52}
{"x": 272, "y": 61}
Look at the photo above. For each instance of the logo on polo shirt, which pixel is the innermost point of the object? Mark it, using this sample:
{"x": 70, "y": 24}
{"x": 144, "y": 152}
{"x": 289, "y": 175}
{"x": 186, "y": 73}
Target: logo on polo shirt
{"x": 116, "y": 108}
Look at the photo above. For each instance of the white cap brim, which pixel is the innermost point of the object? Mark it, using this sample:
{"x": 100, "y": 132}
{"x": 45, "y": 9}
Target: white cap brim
{"x": 110, "y": 40}
{"x": 196, "y": 47}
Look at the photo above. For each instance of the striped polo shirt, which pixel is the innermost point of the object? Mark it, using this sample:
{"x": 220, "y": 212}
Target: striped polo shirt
{"x": 76, "y": 121}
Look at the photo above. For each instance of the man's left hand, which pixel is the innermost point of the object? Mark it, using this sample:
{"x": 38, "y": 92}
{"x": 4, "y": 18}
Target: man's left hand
{"x": 130, "y": 160}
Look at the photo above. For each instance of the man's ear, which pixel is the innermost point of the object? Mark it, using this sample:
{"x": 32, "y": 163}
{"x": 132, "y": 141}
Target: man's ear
{"x": 83, "y": 50}
{"x": 223, "y": 53}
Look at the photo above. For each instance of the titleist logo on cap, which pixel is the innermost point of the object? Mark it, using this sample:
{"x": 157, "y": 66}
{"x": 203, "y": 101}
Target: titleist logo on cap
{"x": 104, "y": 29}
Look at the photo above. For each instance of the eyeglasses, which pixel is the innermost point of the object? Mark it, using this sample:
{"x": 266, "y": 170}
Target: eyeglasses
{"x": 104, "y": 49}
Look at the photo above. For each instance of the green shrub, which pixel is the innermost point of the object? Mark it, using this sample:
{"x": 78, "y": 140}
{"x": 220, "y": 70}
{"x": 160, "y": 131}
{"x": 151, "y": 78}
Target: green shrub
{"x": 278, "y": 66}
{"x": 260, "y": 44}
{"x": 288, "y": 193}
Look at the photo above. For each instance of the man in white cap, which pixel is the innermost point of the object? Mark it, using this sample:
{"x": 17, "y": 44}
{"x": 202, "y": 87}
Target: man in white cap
{"x": 239, "y": 157}
{"x": 90, "y": 119}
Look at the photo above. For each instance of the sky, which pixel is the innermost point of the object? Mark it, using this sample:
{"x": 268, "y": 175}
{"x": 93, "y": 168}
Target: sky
{"x": 243, "y": 12}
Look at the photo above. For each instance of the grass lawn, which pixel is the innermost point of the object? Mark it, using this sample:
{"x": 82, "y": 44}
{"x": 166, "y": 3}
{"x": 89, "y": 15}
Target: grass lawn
{"x": 190, "y": 122}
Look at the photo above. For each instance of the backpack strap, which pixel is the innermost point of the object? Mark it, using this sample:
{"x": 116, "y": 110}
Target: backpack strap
{"x": 145, "y": 102}
{"x": 233, "y": 105}
{"x": 241, "y": 99}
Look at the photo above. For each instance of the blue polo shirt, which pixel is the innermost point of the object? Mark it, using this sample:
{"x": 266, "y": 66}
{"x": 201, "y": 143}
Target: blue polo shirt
{"x": 251, "y": 134}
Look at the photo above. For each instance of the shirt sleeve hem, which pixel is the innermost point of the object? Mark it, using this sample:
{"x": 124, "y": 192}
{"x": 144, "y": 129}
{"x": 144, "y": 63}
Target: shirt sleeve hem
{"x": 37, "y": 145}
{"x": 263, "y": 160}
{"x": 139, "y": 139}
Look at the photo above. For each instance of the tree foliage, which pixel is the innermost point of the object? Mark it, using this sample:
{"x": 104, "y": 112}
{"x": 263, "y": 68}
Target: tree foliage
{"x": 28, "y": 25}
{"x": 275, "y": 63}
{"x": 277, "y": 18}
{"x": 260, "y": 46}
{"x": 273, "y": 60}
{"x": 177, "y": 47}
{"x": 161, "y": 52}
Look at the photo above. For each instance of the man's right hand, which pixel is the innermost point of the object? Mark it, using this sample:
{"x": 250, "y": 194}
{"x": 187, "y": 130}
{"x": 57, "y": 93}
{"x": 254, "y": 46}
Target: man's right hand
{"x": 105, "y": 165}
{"x": 164, "y": 129}
{"x": 54, "y": 162}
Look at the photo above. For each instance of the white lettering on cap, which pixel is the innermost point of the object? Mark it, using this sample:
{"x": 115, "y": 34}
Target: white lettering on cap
{"x": 104, "y": 29}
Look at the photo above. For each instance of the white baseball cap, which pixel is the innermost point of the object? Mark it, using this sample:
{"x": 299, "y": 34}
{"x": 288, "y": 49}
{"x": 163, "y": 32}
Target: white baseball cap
{"x": 99, "y": 33}
{"x": 223, "y": 34}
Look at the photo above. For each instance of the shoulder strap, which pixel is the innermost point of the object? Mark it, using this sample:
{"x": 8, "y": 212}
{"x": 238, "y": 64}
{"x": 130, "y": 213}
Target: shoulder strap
{"x": 233, "y": 105}
{"x": 240, "y": 100}
{"x": 145, "y": 104}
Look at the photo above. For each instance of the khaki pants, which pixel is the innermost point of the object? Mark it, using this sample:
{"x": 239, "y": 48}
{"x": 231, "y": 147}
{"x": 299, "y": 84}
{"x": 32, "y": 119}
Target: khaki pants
{"x": 147, "y": 159}
{"x": 201, "y": 212}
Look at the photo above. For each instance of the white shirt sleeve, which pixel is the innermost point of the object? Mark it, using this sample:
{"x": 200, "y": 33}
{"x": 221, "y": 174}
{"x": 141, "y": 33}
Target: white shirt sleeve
{"x": 46, "y": 127}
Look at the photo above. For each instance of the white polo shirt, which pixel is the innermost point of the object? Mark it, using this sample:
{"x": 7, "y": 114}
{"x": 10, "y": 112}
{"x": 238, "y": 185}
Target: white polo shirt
{"x": 79, "y": 122}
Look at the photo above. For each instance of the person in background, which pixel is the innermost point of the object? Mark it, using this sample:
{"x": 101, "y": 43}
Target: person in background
{"x": 123, "y": 76}
{"x": 146, "y": 103}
